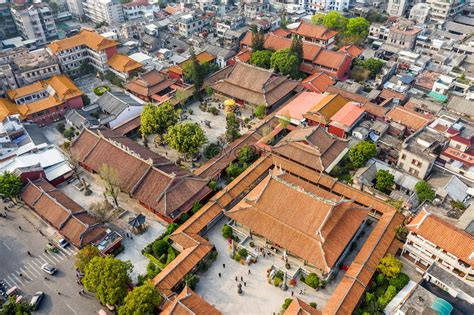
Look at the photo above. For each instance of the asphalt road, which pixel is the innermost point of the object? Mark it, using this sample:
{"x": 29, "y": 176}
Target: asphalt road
{"x": 14, "y": 245}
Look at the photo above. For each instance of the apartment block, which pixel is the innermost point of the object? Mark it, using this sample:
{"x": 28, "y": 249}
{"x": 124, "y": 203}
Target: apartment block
{"x": 35, "y": 22}
{"x": 190, "y": 24}
{"x": 104, "y": 11}
{"x": 443, "y": 10}
{"x": 75, "y": 7}
{"x": 87, "y": 46}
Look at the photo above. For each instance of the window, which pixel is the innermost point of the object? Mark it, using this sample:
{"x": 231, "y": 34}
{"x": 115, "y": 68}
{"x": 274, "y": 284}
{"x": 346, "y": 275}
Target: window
{"x": 413, "y": 171}
{"x": 404, "y": 156}
{"x": 416, "y": 163}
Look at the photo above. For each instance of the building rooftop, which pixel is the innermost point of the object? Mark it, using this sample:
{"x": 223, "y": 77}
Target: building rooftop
{"x": 451, "y": 280}
{"x": 85, "y": 37}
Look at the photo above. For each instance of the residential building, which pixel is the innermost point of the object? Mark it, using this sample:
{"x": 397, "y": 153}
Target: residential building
{"x": 250, "y": 86}
{"x": 42, "y": 102}
{"x": 346, "y": 119}
{"x": 157, "y": 183}
{"x": 80, "y": 119}
{"x": 38, "y": 65}
{"x": 76, "y": 8}
{"x": 189, "y": 24}
{"x": 420, "y": 151}
{"x": 254, "y": 9}
{"x": 104, "y": 11}
{"x": 85, "y": 47}
{"x": 419, "y": 13}
{"x": 432, "y": 240}
{"x": 442, "y": 11}
{"x": 117, "y": 108}
{"x": 397, "y": 7}
{"x": 72, "y": 221}
{"x": 7, "y": 24}
{"x": 329, "y": 5}
{"x": 139, "y": 9}
{"x": 411, "y": 120}
{"x": 123, "y": 66}
{"x": 35, "y": 22}
{"x": 151, "y": 86}
{"x": 459, "y": 154}
{"x": 403, "y": 35}
{"x": 315, "y": 34}
{"x": 7, "y": 78}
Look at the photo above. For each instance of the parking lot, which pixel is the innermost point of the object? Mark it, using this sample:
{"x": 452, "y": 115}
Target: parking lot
{"x": 14, "y": 259}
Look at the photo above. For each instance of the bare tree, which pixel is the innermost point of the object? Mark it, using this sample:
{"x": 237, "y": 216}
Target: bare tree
{"x": 103, "y": 211}
{"x": 110, "y": 176}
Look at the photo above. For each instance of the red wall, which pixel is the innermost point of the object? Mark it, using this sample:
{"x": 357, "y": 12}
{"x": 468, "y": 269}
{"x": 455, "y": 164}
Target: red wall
{"x": 337, "y": 131}
{"x": 75, "y": 102}
{"x": 110, "y": 52}
{"x": 343, "y": 71}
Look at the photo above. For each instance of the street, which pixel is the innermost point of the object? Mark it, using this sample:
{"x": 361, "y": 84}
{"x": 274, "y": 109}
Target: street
{"x": 15, "y": 244}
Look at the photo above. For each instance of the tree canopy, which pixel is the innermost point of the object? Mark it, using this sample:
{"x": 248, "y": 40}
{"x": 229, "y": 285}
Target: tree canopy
{"x": 85, "y": 255}
{"x": 297, "y": 47}
{"x": 351, "y": 30}
{"x": 195, "y": 72}
{"x": 258, "y": 38}
{"x": 157, "y": 119}
{"x": 261, "y": 58}
{"x": 285, "y": 62}
{"x": 390, "y": 266}
{"x": 424, "y": 192}
{"x": 374, "y": 65}
{"x": 332, "y": 20}
{"x": 357, "y": 29}
{"x": 15, "y": 308}
{"x": 383, "y": 180}
{"x": 109, "y": 278}
{"x": 361, "y": 153}
{"x": 10, "y": 185}
{"x": 186, "y": 137}
{"x": 142, "y": 300}
{"x": 232, "y": 127}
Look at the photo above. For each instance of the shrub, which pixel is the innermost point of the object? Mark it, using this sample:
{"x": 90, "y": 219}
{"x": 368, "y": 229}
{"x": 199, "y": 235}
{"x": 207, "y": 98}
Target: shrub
{"x": 387, "y": 296}
{"x": 68, "y": 133}
{"x": 237, "y": 257}
{"x": 302, "y": 279}
{"x": 61, "y": 128}
{"x": 171, "y": 228}
{"x": 286, "y": 304}
{"x": 312, "y": 280}
{"x": 399, "y": 281}
{"x": 227, "y": 231}
{"x": 160, "y": 247}
{"x": 243, "y": 253}
{"x": 213, "y": 184}
{"x": 190, "y": 111}
{"x": 260, "y": 111}
{"x": 100, "y": 90}
{"x": 277, "y": 281}
{"x": 211, "y": 150}
{"x": 183, "y": 218}
{"x": 369, "y": 297}
{"x": 252, "y": 244}
{"x": 379, "y": 291}
{"x": 196, "y": 206}
{"x": 313, "y": 304}
{"x": 380, "y": 279}
{"x": 213, "y": 110}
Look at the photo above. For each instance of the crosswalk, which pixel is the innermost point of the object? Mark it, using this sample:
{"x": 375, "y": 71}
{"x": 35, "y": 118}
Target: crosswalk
{"x": 31, "y": 270}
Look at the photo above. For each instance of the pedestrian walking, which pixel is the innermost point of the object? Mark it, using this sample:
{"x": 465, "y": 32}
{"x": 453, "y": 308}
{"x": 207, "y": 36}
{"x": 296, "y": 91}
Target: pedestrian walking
{"x": 219, "y": 274}
{"x": 45, "y": 251}
{"x": 19, "y": 227}
{"x": 236, "y": 279}
{"x": 304, "y": 291}
{"x": 20, "y": 274}
{"x": 249, "y": 271}
{"x": 223, "y": 266}
{"x": 59, "y": 293}
{"x": 292, "y": 293}
{"x": 82, "y": 291}
{"x": 245, "y": 284}
{"x": 241, "y": 278}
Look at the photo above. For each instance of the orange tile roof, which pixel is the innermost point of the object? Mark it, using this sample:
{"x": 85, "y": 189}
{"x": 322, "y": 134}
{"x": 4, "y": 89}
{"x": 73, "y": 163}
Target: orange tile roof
{"x": 300, "y": 307}
{"x": 352, "y": 50}
{"x": 330, "y": 59}
{"x": 64, "y": 87}
{"x": 188, "y": 302}
{"x": 443, "y": 234}
{"x": 123, "y": 63}
{"x": 300, "y": 105}
{"x": 348, "y": 115}
{"x": 281, "y": 32}
{"x": 408, "y": 117}
{"x": 26, "y": 90}
{"x": 7, "y": 108}
{"x": 326, "y": 108}
{"x": 318, "y": 82}
{"x": 315, "y": 31}
{"x": 244, "y": 55}
{"x": 85, "y": 37}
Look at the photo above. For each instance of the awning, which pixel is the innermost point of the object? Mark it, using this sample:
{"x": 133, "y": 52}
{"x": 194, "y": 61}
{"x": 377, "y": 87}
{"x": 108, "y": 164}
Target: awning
{"x": 438, "y": 97}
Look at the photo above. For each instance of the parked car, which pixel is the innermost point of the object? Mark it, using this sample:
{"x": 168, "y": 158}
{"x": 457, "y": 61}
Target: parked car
{"x": 63, "y": 243}
{"x": 36, "y": 300}
{"x": 51, "y": 247}
{"x": 48, "y": 269}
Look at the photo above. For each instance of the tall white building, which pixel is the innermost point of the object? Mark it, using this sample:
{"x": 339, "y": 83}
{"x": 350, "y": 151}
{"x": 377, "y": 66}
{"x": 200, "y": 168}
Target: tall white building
{"x": 443, "y": 10}
{"x": 75, "y": 7}
{"x": 397, "y": 7}
{"x": 108, "y": 11}
{"x": 35, "y": 22}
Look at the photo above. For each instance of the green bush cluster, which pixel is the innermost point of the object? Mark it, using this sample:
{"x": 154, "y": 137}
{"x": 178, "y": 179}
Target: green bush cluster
{"x": 227, "y": 231}
{"x": 312, "y": 280}
{"x": 100, "y": 90}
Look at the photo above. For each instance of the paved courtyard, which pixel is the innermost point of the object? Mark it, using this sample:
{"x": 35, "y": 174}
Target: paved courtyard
{"x": 259, "y": 297}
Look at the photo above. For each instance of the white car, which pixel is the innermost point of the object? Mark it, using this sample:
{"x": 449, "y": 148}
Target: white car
{"x": 36, "y": 299}
{"x": 63, "y": 243}
{"x": 48, "y": 269}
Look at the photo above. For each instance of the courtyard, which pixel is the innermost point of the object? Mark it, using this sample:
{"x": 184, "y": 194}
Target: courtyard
{"x": 259, "y": 296}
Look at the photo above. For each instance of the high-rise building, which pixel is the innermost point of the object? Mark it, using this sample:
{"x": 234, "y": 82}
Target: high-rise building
{"x": 443, "y": 10}
{"x": 397, "y": 7}
{"x": 7, "y": 24}
{"x": 35, "y": 22}
{"x": 104, "y": 11}
{"x": 75, "y": 7}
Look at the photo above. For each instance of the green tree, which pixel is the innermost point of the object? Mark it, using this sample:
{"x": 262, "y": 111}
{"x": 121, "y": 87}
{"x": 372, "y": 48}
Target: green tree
{"x": 233, "y": 170}
{"x": 390, "y": 266}
{"x": 383, "y": 180}
{"x": 258, "y": 38}
{"x": 312, "y": 280}
{"x": 361, "y": 153}
{"x": 286, "y": 304}
{"x": 260, "y": 111}
{"x": 196, "y": 74}
{"x": 357, "y": 29}
{"x": 424, "y": 192}
{"x": 157, "y": 119}
{"x": 399, "y": 281}
{"x": 142, "y": 300}
{"x": 373, "y": 16}
{"x": 232, "y": 127}
{"x": 297, "y": 47}
{"x": 285, "y": 62}
{"x": 10, "y": 185}
{"x": 15, "y": 308}
{"x": 227, "y": 231}
{"x": 374, "y": 65}
{"x": 85, "y": 99}
{"x": 317, "y": 19}
{"x": 109, "y": 278}
{"x": 387, "y": 296}
{"x": 261, "y": 58}
{"x": 187, "y": 138}
{"x": 84, "y": 256}
{"x": 148, "y": 120}
{"x": 283, "y": 22}
{"x": 247, "y": 155}
{"x": 191, "y": 280}
{"x": 160, "y": 247}
{"x": 335, "y": 21}
{"x": 211, "y": 150}
{"x": 110, "y": 177}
